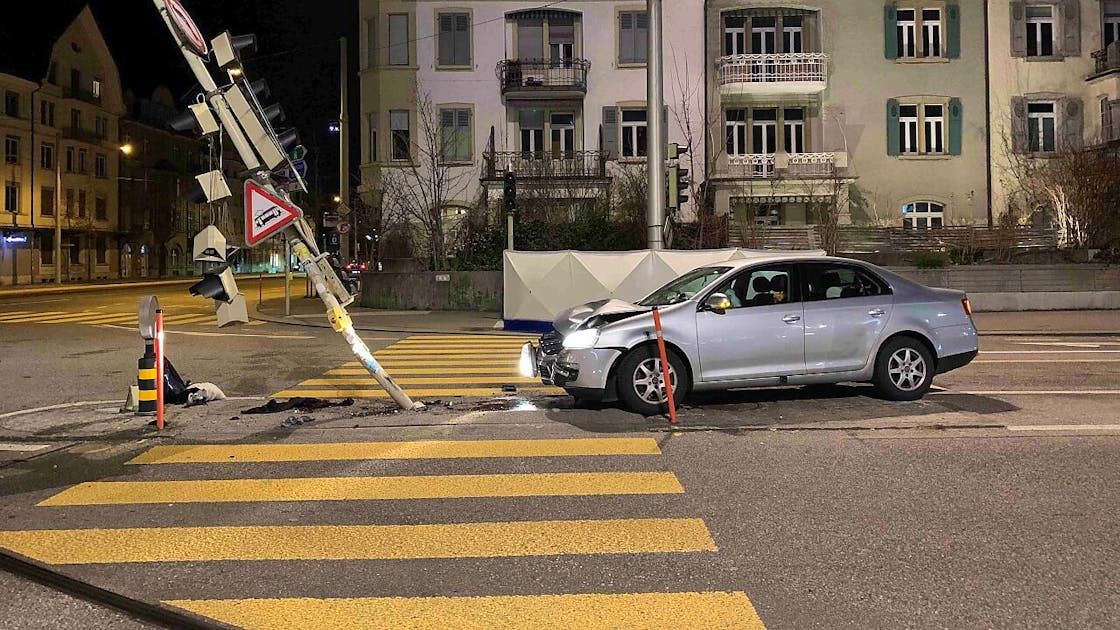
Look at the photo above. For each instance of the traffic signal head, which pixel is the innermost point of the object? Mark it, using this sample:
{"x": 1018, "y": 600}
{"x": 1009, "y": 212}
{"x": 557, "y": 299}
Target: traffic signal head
{"x": 209, "y": 187}
{"x": 219, "y": 286}
{"x": 678, "y": 185}
{"x": 210, "y": 245}
{"x": 228, "y": 50}
{"x": 510, "y": 190}
{"x": 676, "y": 150}
{"x": 197, "y": 118}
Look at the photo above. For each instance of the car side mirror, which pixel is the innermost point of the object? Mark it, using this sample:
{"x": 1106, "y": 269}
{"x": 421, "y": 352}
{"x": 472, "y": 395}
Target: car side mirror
{"x": 717, "y": 303}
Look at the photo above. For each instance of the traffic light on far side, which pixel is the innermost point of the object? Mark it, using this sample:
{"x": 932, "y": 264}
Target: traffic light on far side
{"x": 510, "y": 189}
{"x": 678, "y": 177}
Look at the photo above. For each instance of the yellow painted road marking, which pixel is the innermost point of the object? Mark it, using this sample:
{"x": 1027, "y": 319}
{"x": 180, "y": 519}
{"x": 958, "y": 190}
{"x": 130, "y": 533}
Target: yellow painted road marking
{"x": 453, "y": 380}
{"x": 378, "y": 393}
{"x": 598, "y": 611}
{"x": 112, "y": 318}
{"x": 441, "y": 449}
{"x": 13, "y": 313}
{"x": 367, "y": 488}
{"x": 186, "y": 319}
{"x": 32, "y": 317}
{"x": 361, "y": 542}
{"x": 467, "y": 369}
{"x": 61, "y": 319}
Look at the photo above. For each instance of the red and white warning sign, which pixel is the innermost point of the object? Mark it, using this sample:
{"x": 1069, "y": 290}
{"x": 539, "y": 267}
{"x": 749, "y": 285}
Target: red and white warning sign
{"x": 265, "y": 213}
{"x": 185, "y": 28}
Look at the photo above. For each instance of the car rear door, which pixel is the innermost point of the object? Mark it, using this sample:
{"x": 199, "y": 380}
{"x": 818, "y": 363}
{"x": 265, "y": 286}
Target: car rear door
{"x": 762, "y": 334}
{"x": 846, "y": 309}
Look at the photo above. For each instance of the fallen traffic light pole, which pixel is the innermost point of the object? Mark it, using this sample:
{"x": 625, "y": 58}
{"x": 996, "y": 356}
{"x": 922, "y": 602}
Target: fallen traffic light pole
{"x": 269, "y": 209}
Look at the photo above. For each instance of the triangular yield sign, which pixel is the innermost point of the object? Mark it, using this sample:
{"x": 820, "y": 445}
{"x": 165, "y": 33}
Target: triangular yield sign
{"x": 265, "y": 213}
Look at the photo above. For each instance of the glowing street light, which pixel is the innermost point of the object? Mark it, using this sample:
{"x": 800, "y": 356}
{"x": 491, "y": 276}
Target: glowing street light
{"x": 127, "y": 148}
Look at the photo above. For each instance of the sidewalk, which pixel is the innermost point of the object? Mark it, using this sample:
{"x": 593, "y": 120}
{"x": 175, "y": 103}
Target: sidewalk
{"x": 24, "y": 290}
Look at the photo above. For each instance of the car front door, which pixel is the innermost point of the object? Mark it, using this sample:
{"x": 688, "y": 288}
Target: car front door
{"x": 846, "y": 310}
{"x": 762, "y": 334}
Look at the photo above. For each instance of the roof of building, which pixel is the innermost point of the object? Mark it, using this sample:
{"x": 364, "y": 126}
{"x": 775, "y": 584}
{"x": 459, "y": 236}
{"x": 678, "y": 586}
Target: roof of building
{"x": 33, "y": 30}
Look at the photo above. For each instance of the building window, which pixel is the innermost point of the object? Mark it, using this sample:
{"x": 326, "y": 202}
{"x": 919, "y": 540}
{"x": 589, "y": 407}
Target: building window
{"x": 906, "y": 27}
{"x": 562, "y": 133}
{"x": 398, "y": 39}
{"x": 737, "y": 132}
{"x": 46, "y": 201}
{"x": 908, "y": 128}
{"x": 923, "y": 215}
{"x": 102, "y": 250}
{"x": 793, "y": 40}
{"x": 100, "y": 209}
{"x": 633, "y": 32}
{"x": 69, "y": 202}
{"x": 1041, "y": 123}
{"x": 11, "y": 149}
{"x": 794, "y": 125}
{"x": 100, "y": 166}
{"x": 933, "y": 124}
{"x": 46, "y": 113}
{"x": 83, "y": 161}
{"x": 530, "y": 122}
{"x": 1040, "y": 31}
{"x": 46, "y": 156}
{"x": 11, "y": 103}
{"x": 455, "y": 135}
{"x": 46, "y": 248}
{"x": 372, "y": 137}
{"x": 1111, "y": 31}
{"x": 75, "y": 119}
{"x": 634, "y": 138}
{"x": 931, "y": 32}
{"x": 96, "y": 88}
{"x": 764, "y": 131}
{"x": 734, "y": 35}
{"x": 75, "y": 247}
{"x": 69, "y": 159}
{"x": 454, "y": 39}
{"x": 81, "y": 204}
{"x": 764, "y": 35}
{"x": 101, "y": 127}
{"x": 11, "y": 197}
{"x": 401, "y": 139}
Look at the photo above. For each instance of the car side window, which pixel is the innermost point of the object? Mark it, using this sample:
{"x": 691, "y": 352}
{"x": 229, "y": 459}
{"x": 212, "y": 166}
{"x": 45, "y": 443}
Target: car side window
{"x": 832, "y": 282}
{"x": 762, "y": 286}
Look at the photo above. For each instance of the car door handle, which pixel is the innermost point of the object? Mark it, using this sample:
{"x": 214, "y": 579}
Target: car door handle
{"x": 876, "y": 312}
{"x": 791, "y": 319}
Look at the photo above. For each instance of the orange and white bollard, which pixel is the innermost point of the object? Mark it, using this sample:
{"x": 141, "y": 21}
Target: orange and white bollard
{"x": 664, "y": 366}
{"x": 159, "y": 369}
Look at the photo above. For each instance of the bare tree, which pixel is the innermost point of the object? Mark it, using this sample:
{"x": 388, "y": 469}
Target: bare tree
{"x": 419, "y": 191}
{"x": 826, "y": 203}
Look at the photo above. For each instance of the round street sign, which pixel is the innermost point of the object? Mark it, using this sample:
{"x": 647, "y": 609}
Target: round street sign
{"x": 343, "y": 228}
{"x": 189, "y": 34}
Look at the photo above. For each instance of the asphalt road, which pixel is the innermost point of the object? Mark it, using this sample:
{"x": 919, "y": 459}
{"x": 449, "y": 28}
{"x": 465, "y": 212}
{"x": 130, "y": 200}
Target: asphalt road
{"x": 991, "y": 503}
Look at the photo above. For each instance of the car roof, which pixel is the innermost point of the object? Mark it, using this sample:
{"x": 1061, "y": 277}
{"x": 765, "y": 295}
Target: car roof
{"x": 763, "y": 258}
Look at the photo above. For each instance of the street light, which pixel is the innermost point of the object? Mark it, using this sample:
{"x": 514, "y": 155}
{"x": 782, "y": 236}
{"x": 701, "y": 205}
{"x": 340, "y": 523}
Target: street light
{"x": 127, "y": 148}
{"x": 337, "y": 199}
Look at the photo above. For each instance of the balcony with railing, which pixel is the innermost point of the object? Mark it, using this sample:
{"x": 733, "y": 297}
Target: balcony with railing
{"x": 786, "y": 166}
{"x": 1106, "y": 60}
{"x": 83, "y": 135}
{"x": 531, "y": 79}
{"x": 545, "y": 165}
{"x": 775, "y": 74}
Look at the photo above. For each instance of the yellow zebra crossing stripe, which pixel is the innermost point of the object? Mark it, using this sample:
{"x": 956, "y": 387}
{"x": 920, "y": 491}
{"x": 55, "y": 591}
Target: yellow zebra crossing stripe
{"x": 367, "y": 488}
{"x": 348, "y": 451}
{"x": 522, "y": 612}
{"x": 432, "y": 366}
{"x": 361, "y": 542}
{"x": 93, "y": 318}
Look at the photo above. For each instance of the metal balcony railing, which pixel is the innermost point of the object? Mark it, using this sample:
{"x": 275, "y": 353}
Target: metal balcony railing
{"x": 83, "y": 135}
{"x": 518, "y": 75}
{"x": 1104, "y": 62}
{"x": 809, "y": 165}
{"x": 796, "y": 165}
{"x": 751, "y": 165}
{"x": 546, "y": 164}
{"x": 773, "y": 68}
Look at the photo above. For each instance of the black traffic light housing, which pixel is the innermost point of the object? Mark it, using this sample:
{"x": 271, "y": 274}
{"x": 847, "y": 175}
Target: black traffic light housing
{"x": 218, "y": 286}
{"x": 679, "y": 181}
{"x": 510, "y": 189}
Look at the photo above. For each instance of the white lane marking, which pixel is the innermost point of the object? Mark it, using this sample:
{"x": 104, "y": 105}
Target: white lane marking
{"x": 209, "y": 334}
{"x": 1046, "y": 392}
{"x": 1070, "y": 344}
{"x": 22, "y": 448}
{"x": 984, "y": 352}
{"x": 1064, "y": 427}
{"x": 368, "y": 314}
{"x": 1049, "y": 361}
{"x": 85, "y": 403}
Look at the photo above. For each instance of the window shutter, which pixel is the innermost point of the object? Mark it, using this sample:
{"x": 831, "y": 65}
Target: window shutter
{"x": 641, "y": 36}
{"x": 463, "y": 39}
{"x": 955, "y": 126}
{"x": 953, "y": 30}
{"x": 894, "y": 141}
{"x": 1018, "y": 29}
{"x": 625, "y": 37}
{"x": 610, "y": 133}
{"x": 1018, "y": 124}
{"x": 446, "y": 39}
{"x": 890, "y": 32}
{"x": 1071, "y": 117}
{"x": 1070, "y": 11}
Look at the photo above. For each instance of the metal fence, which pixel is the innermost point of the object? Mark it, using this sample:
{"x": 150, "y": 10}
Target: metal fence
{"x": 543, "y": 74}
{"x": 546, "y": 164}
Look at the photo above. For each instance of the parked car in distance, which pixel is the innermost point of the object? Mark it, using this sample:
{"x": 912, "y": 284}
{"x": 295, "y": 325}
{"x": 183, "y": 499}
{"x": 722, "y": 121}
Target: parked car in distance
{"x": 786, "y": 319}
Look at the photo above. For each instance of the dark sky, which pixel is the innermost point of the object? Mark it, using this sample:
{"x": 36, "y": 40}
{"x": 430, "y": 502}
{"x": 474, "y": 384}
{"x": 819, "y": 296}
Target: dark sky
{"x": 297, "y": 41}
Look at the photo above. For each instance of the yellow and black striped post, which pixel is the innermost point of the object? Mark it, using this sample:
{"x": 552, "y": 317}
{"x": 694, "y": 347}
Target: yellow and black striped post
{"x": 147, "y": 381}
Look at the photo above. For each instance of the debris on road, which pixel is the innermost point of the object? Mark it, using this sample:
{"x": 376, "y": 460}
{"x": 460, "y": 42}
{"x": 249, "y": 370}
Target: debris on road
{"x": 202, "y": 393}
{"x": 298, "y": 403}
{"x": 295, "y": 421}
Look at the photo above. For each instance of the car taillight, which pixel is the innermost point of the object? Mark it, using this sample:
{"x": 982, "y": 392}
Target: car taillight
{"x": 363, "y": 267}
{"x": 967, "y": 306}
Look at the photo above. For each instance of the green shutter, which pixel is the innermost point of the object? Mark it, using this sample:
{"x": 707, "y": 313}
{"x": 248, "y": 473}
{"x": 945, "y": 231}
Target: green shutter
{"x": 954, "y": 126}
{"x": 890, "y": 32}
{"x": 953, "y": 30}
{"x": 894, "y": 142}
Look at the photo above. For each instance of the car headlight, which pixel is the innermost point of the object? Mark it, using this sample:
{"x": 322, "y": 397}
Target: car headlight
{"x": 582, "y": 339}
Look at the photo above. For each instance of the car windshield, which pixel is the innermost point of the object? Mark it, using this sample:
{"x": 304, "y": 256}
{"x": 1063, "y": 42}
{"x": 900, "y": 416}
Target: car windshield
{"x": 684, "y": 287}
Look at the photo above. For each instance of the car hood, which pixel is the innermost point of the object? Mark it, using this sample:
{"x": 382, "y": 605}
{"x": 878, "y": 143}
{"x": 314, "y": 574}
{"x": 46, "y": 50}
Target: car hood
{"x": 613, "y": 310}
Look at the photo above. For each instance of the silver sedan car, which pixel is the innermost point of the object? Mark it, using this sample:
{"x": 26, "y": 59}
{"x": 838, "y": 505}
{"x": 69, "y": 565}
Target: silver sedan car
{"x": 762, "y": 322}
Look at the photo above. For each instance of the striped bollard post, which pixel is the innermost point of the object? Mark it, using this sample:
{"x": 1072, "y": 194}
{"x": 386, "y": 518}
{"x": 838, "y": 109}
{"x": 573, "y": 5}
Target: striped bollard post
{"x": 146, "y": 381}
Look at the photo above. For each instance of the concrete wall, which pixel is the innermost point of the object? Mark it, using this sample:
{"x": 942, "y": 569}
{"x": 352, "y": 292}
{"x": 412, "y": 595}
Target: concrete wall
{"x": 447, "y": 291}
{"x": 1018, "y": 278}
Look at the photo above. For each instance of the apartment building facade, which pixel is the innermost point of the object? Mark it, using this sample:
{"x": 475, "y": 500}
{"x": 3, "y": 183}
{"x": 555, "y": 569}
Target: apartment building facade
{"x": 60, "y": 133}
{"x": 904, "y": 112}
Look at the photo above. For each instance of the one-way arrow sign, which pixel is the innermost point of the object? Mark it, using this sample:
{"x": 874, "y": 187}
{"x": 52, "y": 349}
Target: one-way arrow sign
{"x": 265, "y": 213}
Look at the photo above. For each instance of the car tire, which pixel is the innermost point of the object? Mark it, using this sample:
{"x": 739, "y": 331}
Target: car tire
{"x": 904, "y": 369}
{"x": 639, "y": 373}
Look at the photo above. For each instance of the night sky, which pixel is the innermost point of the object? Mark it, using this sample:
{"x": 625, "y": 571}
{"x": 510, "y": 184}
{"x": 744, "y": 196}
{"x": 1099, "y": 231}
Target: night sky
{"x": 298, "y": 54}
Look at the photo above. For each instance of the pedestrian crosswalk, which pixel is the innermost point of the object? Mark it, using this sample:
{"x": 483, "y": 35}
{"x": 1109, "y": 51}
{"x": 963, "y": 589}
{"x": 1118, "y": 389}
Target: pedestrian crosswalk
{"x": 96, "y": 318}
{"x": 432, "y": 366}
{"x": 216, "y": 475}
